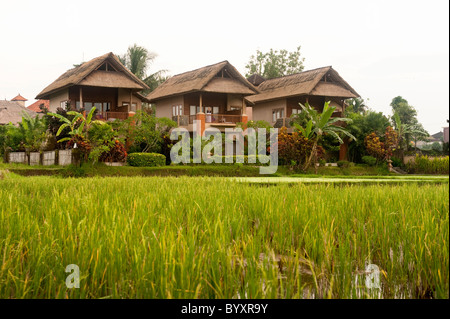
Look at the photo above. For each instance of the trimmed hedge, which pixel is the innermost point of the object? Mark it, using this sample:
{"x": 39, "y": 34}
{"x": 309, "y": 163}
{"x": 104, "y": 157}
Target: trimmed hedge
{"x": 146, "y": 159}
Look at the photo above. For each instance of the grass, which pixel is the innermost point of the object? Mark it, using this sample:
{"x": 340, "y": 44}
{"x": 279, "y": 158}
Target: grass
{"x": 192, "y": 237}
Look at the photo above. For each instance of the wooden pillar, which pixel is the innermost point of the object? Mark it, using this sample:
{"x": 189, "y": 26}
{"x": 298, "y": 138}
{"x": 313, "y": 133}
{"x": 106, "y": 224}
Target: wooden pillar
{"x": 201, "y": 103}
{"x": 131, "y": 100}
{"x": 202, "y": 118}
{"x": 81, "y": 98}
{"x": 244, "y": 107}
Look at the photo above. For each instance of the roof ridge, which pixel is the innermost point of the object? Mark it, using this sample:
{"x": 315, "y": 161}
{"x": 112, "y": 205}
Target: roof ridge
{"x": 293, "y": 74}
{"x": 203, "y": 67}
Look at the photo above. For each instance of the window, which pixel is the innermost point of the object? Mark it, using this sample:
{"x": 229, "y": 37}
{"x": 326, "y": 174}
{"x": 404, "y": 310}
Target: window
{"x": 215, "y": 110}
{"x": 133, "y": 107}
{"x": 277, "y": 114}
{"x": 177, "y": 110}
{"x": 296, "y": 111}
{"x": 87, "y": 106}
{"x": 63, "y": 104}
{"x": 192, "y": 110}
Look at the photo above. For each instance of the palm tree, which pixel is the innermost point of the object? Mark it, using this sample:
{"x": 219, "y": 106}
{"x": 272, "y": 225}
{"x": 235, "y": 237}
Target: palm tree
{"x": 138, "y": 60}
{"x": 404, "y": 131}
{"x": 358, "y": 105}
{"x": 320, "y": 124}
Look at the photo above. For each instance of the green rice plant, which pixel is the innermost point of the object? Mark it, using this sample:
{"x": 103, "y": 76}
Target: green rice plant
{"x": 191, "y": 237}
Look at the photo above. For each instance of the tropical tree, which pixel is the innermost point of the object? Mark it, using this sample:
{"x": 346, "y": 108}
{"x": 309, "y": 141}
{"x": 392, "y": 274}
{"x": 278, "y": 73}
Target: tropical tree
{"x": 146, "y": 131}
{"x": 275, "y": 63}
{"x": 356, "y": 105}
{"x": 138, "y": 60}
{"x": 361, "y": 126}
{"x": 33, "y": 131}
{"x": 320, "y": 124}
{"x": 404, "y": 131}
{"x": 79, "y": 130}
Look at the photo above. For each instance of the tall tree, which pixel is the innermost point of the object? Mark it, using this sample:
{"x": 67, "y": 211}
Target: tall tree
{"x": 406, "y": 112}
{"x": 275, "y": 63}
{"x": 138, "y": 60}
{"x": 406, "y": 116}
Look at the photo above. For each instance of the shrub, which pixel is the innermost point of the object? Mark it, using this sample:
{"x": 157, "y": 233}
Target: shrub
{"x": 146, "y": 159}
{"x": 369, "y": 160}
{"x": 343, "y": 164}
{"x": 397, "y": 162}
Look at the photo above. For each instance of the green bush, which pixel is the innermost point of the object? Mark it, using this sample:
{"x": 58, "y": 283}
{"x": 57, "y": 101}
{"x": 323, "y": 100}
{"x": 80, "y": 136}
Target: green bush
{"x": 397, "y": 162}
{"x": 343, "y": 164}
{"x": 146, "y": 159}
{"x": 369, "y": 160}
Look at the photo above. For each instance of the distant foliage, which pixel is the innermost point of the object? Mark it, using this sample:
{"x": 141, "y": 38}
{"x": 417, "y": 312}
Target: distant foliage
{"x": 275, "y": 63}
{"x": 426, "y": 165}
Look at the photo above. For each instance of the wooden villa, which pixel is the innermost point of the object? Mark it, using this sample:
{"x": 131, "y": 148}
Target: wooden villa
{"x": 104, "y": 83}
{"x": 279, "y": 98}
{"x": 214, "y": 95}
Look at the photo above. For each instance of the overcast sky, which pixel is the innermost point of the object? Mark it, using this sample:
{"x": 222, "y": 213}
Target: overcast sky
{"x": 381, "y": 48}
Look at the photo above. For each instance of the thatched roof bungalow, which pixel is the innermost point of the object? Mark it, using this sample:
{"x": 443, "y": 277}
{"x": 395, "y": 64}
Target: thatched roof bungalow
{"x": 103, "y": 82}
{"x": 218, "y": 90}
{"x": 279, "y": 98}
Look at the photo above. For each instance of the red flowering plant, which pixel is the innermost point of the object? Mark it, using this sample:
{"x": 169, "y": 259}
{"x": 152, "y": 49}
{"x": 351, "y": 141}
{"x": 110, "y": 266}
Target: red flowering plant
{"x": 382, "y": 148}
{"x": 294, "y": 149}
{"x": 107, "y": 145}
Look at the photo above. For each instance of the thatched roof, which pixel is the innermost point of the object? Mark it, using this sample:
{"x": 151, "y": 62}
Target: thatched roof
{"x": 11, "y": 112}
{"x": 305, "y": 83}
{"x": 205, "y": 80}
{"x": 89, "y": 75}
{"x": 256, "y": 79}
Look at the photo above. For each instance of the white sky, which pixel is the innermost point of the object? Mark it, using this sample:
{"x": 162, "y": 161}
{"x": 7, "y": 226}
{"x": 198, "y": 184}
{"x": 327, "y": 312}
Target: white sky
{"x": 381, "y": 48}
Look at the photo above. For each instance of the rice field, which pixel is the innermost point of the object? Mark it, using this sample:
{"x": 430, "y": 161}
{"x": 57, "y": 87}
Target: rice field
{"x": 204, "y": 237}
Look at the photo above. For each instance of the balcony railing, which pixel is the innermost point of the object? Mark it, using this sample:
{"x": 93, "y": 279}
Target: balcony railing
{"x": 222, "y": 118}
{"x": 185, "y": 120}
{"x": 181, "y": 120}
{"x": 111, "y": 115}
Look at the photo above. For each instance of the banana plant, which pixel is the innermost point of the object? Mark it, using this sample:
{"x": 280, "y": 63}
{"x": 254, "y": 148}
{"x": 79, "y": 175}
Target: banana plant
{"x": 320, "y": 124}
{"x": 72, "y": 124}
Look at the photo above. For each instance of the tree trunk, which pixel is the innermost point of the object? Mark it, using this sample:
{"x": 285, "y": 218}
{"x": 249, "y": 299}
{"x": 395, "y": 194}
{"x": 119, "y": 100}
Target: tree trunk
{"x": 313, "y": 151}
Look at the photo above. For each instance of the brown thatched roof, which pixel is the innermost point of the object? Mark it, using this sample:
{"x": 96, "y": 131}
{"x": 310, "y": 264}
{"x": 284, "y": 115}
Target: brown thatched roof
{"x": 256, "y": 79}
{"x": 310, "y": 82}
{"x": 12, "y": 112}
{"x": 205, "y": 80}
{"x": 88, "y": 74}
